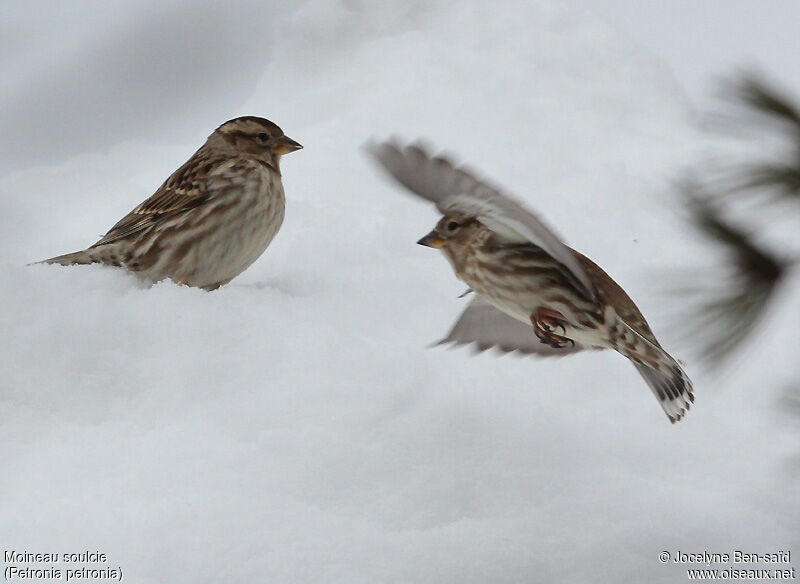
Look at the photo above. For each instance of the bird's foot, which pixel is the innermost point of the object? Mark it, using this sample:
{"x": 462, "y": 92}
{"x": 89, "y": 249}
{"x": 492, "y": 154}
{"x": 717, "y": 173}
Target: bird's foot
{"x": 545, "y": 323}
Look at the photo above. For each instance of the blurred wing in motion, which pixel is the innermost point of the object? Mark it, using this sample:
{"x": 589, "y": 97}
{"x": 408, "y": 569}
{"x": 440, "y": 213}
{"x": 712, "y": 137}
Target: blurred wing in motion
{"x": 456, "y": 191}
{"x": 487, "y": 327}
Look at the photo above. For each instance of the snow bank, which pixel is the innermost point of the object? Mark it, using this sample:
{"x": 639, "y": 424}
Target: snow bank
{"x": 294, "y": 426}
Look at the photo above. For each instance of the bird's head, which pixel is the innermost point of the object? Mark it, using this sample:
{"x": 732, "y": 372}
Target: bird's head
{"x": 454, "y": 236}
{"x": 253, "y": 136}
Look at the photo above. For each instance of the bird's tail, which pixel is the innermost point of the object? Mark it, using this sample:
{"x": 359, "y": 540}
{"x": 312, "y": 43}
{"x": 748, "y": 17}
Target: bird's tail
{"x": 93, "y": 255}
{"x": 662, "y": 373}
{"x": 70, "y": 259}
{"x": 670, "y": 384}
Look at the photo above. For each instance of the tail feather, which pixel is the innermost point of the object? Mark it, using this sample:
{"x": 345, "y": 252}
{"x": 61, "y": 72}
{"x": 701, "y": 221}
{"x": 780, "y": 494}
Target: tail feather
{"x": 663, "y": 375}
{"x": 672, "y": 388}
{"x": 104, "y": 254}
{"x": 70, "y": 259}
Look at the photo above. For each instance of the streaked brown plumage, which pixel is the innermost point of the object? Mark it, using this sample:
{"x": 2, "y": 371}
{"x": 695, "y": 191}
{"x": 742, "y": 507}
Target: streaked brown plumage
{"x": 211, "y": 218}
{"x": 533, "y": 293}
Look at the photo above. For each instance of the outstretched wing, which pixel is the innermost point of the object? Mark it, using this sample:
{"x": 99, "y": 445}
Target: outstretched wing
{"x": 187, "y": 188}
{"x": 485, "y": 326}
{"x": 456, "y": 191}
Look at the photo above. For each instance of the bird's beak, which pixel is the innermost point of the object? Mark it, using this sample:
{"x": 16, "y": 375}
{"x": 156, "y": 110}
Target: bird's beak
{"x": 284, "y": 145}
{"x": 433, "y": 240}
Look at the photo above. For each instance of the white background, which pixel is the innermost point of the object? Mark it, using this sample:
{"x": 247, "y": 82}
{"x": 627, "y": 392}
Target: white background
{"x": 294, "y": 426}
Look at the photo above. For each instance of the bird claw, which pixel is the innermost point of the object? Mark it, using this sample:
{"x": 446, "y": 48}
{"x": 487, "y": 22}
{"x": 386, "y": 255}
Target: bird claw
{"x": 545, "y": 323}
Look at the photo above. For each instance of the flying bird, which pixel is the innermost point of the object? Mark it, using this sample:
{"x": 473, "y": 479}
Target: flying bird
{"x": 533, "y": 293}
{"x": 211, "y": 218}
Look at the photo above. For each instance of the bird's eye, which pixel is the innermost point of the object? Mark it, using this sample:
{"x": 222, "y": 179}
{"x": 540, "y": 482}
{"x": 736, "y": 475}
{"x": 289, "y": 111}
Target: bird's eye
{"x": 263, "y": 137}
{"x": 452, "y": 226}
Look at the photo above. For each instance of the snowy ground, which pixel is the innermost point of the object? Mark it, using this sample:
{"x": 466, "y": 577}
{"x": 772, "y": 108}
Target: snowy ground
{"x": 294, "y": 426}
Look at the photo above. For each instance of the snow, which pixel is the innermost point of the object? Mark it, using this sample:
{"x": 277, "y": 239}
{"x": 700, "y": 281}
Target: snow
{"x": 294, "y": 426}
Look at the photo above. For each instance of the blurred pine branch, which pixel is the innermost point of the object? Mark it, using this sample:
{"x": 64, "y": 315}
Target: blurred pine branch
{"x": 727, "y": 313}
{"x": 724, "y": 316}
{"x": 757, "y": 97}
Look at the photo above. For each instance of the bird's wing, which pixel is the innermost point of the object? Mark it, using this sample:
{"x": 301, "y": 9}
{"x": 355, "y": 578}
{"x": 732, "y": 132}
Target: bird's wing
{"x": 487, "y": 327}
{"x": 456, "y": 191}
{"x": 187, "y": 188}
{"x": 613, "y": 294}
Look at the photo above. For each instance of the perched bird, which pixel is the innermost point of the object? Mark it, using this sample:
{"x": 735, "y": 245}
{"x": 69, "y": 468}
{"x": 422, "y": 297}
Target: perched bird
{"x": 211, "y": 218}
{"x": 533, "y": 294}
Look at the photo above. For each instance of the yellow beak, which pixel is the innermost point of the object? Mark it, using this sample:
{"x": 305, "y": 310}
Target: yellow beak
{"x": 284, "y": 145}
{"x": 433, "y": 240}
